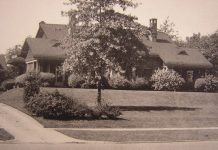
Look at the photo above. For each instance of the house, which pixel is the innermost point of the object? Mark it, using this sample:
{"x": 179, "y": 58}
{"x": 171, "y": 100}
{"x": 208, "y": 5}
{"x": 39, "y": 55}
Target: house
{"x": 190, "y": 63}
{"x": 43, "y": 53}
{"x": 3, "y": 64}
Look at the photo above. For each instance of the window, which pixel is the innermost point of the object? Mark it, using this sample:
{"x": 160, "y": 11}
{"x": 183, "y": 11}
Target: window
{"x": 34, "y": 66}
{"x": 182, "y": 53}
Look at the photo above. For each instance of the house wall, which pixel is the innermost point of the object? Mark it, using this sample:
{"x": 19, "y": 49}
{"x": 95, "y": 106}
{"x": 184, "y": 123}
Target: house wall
{"x": 146, "y": 67}
{"x": 32, "y": 66}
{"x": 51, "y": 67}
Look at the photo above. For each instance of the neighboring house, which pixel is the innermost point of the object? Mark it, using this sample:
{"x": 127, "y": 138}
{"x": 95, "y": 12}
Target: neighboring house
{"x": 43, "y": 53}
{"x": 3, "y": 64}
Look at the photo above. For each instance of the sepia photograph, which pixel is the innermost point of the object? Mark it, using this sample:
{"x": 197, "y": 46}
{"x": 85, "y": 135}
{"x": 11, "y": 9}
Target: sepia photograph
{"x": 108, "y": 74}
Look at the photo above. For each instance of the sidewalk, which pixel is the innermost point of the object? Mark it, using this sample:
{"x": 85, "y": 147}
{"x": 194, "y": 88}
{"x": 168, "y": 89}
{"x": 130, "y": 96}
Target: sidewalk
{"x": 212, "y": 145}
{"x": 27, "y": 130}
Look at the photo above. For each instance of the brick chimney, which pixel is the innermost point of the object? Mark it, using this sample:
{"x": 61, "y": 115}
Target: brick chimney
{"x": 153, "y": 29}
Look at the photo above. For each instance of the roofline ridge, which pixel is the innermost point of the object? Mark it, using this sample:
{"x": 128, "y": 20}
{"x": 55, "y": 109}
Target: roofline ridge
{"x": 53, "y": 24}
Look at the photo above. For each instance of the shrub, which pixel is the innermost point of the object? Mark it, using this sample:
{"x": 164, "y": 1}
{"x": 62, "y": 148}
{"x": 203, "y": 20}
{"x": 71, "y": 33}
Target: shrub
{"x": 93, "y": 84}
{"x": 47, "y": 79}
{"x": 200, "y": 84}
{"x": 140, "y": 84}
{"x": 211, "y": 83}
{"x": 2, "y": 75}
{"x": 8, "y": 84}
{"x": 75, "y": 81}
{"x": 119, "y": 82}
{"x": 207, "y": 84}
{"x": 167, "y": 79}
{"x": 89, "y": 85}
{"x": 105, "y": 110}
{"x": 56, "y": 106}
{"x": 20, "y": 80}
{"x": 32, "y": 85}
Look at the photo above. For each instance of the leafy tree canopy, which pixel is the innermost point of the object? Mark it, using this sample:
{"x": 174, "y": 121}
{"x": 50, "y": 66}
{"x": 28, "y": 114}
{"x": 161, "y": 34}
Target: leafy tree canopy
{"x": 101, "y": 38}
{"x": 13, "y": 52}
{"x": 168, "y": 27}
{"x": 208, "y": 44}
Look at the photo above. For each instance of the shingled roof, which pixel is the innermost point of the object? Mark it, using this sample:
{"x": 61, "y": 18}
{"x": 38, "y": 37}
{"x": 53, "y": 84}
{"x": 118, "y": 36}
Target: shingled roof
{"x": 177, "y": 57}
{"x": 3, "y": 64}
{"x": 39, "y": 48}
{"x": 52, "y": 31}
{"x": 46, "y": 46}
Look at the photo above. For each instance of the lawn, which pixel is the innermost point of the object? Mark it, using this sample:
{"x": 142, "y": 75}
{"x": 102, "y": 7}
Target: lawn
{"x": 142, "y": 136}
{"x": 4, "y": 135}
{"x": 146, "y": 109}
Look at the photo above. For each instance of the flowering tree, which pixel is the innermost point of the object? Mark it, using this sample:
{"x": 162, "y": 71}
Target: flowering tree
{"x": 101, "y": 38}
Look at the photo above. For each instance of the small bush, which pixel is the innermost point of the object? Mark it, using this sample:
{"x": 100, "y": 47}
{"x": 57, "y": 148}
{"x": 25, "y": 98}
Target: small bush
{"x": 89, "y": 85}
{"x": 8, "y": 84}
{"x": 104, "y": 110}
{"x": 119, "y": 82}
{"x": 207, "y": 84}
{"x": 93, "y": 84}
{"x": 20, "y": 80}
{"x": 56, "y": 106}
{"x": 75, "y": 81}
{"x": 140, "y": 84}
{"x": 32, "y": 85}
{"x": 47, "y": 79}
{"x": 2, "y": 75}
{"x": 200, "y": 84}
{"x": 167, "y": 80}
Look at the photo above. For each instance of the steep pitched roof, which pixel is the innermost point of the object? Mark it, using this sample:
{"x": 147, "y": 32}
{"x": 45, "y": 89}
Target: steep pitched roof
{"x": 3, "y": 64}
{"x": 177, "y": 57}
{"x": 163, "y": 37}
{"x": 46, "y": 46}
{"x": 46, "y": 49}
{"x": 52, "y": 31}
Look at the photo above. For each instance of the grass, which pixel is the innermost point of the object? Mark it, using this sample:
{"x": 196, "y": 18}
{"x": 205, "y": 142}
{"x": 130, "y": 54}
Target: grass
{"x": 4, "y": 135}
{"x": 154, "y": 109}
{"x": 142, "y": 136}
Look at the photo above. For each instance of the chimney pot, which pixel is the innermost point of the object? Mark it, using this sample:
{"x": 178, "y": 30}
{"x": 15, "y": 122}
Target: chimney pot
{"x": 153, "y": 29}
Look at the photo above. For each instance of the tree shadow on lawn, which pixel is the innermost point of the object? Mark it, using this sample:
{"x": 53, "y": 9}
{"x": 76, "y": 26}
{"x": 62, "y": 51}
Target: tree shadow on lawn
{"x": 155, "y": 108}
{"x": 81, "y": 118}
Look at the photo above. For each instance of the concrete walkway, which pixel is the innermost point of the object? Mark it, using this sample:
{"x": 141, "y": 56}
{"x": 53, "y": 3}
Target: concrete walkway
{"x": 27, "y": 130}
{"x": 211, "y": 145}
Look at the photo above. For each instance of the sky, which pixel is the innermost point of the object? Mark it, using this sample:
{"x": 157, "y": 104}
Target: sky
{"x": 20, "y": 18}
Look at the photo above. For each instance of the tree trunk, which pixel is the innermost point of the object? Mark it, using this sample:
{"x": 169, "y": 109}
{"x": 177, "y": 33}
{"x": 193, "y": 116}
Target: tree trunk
{"x": 99, "y": 92}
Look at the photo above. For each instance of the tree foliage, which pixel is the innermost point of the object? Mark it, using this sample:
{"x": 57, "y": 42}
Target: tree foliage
{"x": 168, "y": 27}
{"x": 101, "y": 38}
{"x": 208, "y": 44}
{"x": 13, "y": 52}
{"x": 18, "y": 63}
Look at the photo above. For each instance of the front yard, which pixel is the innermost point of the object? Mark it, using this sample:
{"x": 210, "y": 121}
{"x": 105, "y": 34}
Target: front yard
{"x": 143, "y": 109}
{"x": 142, "y": 136}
